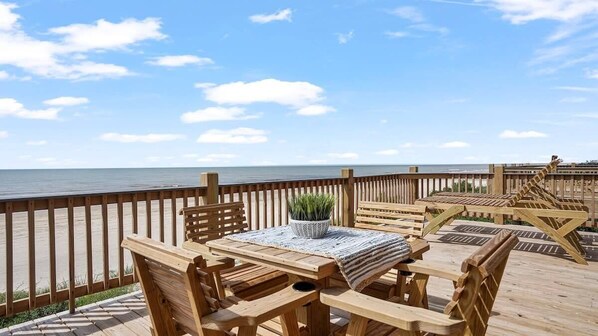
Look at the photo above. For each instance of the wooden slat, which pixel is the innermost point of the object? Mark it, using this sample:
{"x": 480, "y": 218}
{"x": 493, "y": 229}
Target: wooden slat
{"x": 71, "y": 251}
{"x": 52, "y": 249}
{"x": 88, "y": 244}
{"x": 105, "y": 251}
{"x": 31, "y": 240}
{"x": 121, "y": 227}
{"x": 9, "y": 258}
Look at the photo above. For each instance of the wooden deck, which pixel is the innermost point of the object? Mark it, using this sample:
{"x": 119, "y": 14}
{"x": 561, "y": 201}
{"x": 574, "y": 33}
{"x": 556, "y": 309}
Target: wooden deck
{"x": 542, "y": 293}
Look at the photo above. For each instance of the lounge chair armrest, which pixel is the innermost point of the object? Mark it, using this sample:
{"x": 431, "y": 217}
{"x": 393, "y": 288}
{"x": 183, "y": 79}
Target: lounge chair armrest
{"x": 253, "y": 313}
{"x": 432, "y": 268}
{"x": 213, "y": 263}
{"x": 397, "y": 315}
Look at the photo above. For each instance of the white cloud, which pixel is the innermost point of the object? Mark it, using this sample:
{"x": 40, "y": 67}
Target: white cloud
{"x": 203, "y": 85}
{"x": 65, "y": 58}
{"x": 315, "y": 110}
{"x": 577, "y": 88}
{"x": 144, "y": 138}
{"x": 348, "y": 155}
{"x": 587, "y": 115}
{"x": 181, "y": 60}
{"x": 510, "y": 134}
{"x": 397, "y": 34}
{"x": 593, "y": 74}
{"x": 217, "y": 158}
{"x": 4, "y": 75}
{"x": 216, "y": 113}
{"x": 8, "y": 19}
{"x": 296, "y": 94}
{"x": 281, "y": 15}
{"x": 11, "y": 107}
{"x": 317, "y": 161}
{"x": 388, "y": 152}
{"x": 344, "y": 38}
{"x": 408, "y": 13}
{"x": 418, "y": 21}
{"x": 523, "y": 11}
{"x": 105, "y": 35}
{"x": 3, "y": 134}
{"x": 573, "y": 100}
{"x": 37, "y": 143}
{"x": 413, "y": 145}
{"x": 455, "y": 144}
{"x": 66, "y": 101}
{"x": 242, "y": 135}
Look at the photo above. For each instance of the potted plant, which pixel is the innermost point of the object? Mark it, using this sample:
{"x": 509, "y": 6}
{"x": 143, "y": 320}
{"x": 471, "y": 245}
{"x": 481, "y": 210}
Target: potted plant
{"x": 310, "y": 214}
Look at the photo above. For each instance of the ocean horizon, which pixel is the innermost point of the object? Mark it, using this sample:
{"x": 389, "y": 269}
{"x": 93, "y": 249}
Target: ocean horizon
{"x": 19, "y": 183}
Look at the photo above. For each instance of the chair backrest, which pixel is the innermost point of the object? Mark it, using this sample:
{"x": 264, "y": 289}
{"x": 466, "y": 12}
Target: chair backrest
{"x": 540, "y": 175}
{"x": 208, "y": 222}
{"x": 406, "y": 219}
{"x": 176, "y": 291}
{"x": 476, "y": 289}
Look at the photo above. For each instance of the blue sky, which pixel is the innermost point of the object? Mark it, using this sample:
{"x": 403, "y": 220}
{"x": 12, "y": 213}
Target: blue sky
{"x": 225, "y": 83}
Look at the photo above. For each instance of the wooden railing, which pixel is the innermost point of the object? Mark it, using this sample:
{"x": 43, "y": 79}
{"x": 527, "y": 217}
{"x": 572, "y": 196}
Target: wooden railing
{"x": 56, "y": 249}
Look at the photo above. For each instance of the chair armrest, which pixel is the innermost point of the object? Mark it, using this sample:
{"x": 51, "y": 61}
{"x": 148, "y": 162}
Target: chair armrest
{"x": 253, "y": 313}
{"x": 397, "y": 315}
{"x": 432, "y": 268}
{"x": 213, "y": 263}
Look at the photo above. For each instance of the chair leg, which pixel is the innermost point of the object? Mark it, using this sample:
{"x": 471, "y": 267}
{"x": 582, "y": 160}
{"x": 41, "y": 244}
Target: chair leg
{"x": 357, "y": 326}
{"x": 290, "y": 326}
{"x": 247, "y": 331}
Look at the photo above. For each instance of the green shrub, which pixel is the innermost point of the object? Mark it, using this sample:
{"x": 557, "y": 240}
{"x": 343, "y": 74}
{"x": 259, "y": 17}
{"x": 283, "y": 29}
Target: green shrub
{"x": 311, "y": 207}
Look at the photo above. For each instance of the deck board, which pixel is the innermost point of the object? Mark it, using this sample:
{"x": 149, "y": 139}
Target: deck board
{"x": 543, "y": 291}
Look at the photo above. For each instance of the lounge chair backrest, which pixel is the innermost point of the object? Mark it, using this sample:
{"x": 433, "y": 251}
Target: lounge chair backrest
{"x": 208, "y": 222}
{"x": 406, "y": 219}
{"x": 540, "y": 175}
{"x": 176, "y": 291}
{"x": 476, "y": 289}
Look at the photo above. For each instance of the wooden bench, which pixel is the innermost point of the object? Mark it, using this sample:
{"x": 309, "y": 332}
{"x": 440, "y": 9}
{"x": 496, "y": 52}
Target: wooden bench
{"x": 466, "y": 314}
{"x": 405, "y": 219}
{"x": 209, "y": 222}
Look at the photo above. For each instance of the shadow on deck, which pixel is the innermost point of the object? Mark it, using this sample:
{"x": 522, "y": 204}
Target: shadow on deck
{"x": 478, "y": 235}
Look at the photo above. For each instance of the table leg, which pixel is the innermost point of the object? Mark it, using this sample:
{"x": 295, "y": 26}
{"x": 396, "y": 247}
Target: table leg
{"x": 315, "y": 315}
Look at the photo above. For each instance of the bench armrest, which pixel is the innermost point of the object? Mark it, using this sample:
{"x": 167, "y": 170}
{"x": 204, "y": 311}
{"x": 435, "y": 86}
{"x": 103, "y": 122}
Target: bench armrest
{"x": 213, "y": 263}
{"x": 432, "y": 268}
{"x": 258, "y": 311}
{"x": 397, "y": 315}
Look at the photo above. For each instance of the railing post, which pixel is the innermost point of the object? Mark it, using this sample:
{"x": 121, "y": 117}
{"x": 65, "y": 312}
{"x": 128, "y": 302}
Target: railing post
{"x": 498, "y": 188}
{"x": 210, "y": 181}
{"x": 414, "y": 186}
{"x": 348, "y": 197}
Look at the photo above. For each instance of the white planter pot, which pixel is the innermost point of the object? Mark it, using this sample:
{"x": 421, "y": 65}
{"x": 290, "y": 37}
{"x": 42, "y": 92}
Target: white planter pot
{"x": 310, "y": 229}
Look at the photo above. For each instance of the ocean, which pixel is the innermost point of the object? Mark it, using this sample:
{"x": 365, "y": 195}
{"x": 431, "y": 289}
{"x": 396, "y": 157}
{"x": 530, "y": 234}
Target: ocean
{"x": 48, "y": 182}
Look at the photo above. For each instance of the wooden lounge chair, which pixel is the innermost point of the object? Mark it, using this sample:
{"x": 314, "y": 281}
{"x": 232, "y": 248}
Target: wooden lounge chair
{"x": 556, "y": 218}
{"x": 476, "y": 286}
{"x": 208, "y": 222}
{"x": 180, "y": 295}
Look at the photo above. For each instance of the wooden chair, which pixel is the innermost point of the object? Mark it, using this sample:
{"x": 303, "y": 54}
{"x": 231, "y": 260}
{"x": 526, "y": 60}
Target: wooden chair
{"x": 405, "y": 219}
{"x": 180, "y": 296}
{"x": 208, "y": 222}
{"x": 476, "y": 286}
{"x": 558, "y": 219}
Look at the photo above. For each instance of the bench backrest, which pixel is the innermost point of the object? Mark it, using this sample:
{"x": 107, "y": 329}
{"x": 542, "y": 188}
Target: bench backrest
{"x": 177, "y": 293}
{"x": 476, "y": 289}
{"x": 540, "y": 175}
{"x": 406, "y": 219}
{"x": 208, "y": 222}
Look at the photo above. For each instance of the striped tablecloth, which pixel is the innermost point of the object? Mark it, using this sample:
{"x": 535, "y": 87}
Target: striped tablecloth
{"x": 362, "y": 255}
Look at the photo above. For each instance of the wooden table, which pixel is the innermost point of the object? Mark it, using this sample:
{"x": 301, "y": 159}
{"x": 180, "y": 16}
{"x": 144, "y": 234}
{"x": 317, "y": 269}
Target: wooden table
{"x": 299, "y": 266}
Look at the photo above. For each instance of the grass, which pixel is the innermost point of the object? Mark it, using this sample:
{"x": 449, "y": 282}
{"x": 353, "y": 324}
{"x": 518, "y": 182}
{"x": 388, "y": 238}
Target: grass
{"x": 62, "y": 306}
{"x": 311, "y": 207}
